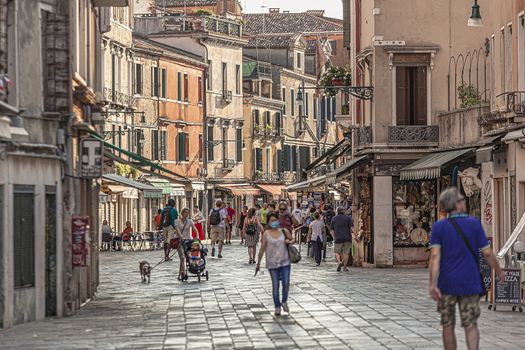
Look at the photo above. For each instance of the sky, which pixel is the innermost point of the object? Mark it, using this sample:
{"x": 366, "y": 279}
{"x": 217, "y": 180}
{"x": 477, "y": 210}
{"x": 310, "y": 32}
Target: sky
{"x": 334, "y": 8}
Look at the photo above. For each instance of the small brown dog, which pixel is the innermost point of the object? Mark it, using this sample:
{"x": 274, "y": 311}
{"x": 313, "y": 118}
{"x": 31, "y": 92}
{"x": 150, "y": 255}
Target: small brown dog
{"x": 145, "y": 270}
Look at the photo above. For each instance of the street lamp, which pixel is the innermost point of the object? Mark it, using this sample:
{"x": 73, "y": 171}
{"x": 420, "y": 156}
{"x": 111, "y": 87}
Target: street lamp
{"x": 475, "y": 16}
{"x": 299, "y": 97}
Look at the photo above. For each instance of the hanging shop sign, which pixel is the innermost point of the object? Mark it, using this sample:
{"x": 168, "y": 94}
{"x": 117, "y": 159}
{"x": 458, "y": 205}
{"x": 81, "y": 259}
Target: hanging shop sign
{"x": 91, "y": 156}
{"x": 132, "y": 193}
{"x": 79, "y": 241}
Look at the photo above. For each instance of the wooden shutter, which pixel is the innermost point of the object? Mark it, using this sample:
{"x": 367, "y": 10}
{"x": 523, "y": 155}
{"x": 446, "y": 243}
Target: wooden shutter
{"x": 164, "y": 83}
{"x": 402, "y": 96}
{"x": 238, "y": 140}
{"x": 24, "y": 236}
{"x": 154, "y": 144}
{"x": 420, "y": 109}
{"x": 277, "y": 121}
{"x": 279, "y": 160}
{"x": 179, "y": 86}
{"x": 210, "y": 146}
{"x": 200, "y": 90}
{"x": 186, "y": 146}
{"x": 186, "y": 88}
{"x": 258, "y": 160}
{"x": 294, "y": 158}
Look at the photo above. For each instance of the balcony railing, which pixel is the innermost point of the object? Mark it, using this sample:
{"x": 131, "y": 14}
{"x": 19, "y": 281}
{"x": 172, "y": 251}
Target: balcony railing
{"x": 119, "y": 97}
{"x": 413, "y": 134}
{"x": 287, "y": 177}
{"x": 364, "y": 135}
{"x": 268, "y": 133}
{"x": 514, "y": 101}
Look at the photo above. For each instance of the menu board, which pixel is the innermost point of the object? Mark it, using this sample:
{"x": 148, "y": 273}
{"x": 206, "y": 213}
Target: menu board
{"x": 508, "y": 291}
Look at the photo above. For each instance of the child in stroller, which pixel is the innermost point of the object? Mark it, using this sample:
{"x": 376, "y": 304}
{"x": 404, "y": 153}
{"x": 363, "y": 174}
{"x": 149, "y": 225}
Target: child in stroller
{"x": 196, "y": 260}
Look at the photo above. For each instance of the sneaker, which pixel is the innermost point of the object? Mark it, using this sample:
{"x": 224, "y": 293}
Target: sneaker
{"x": 285, "y": 307}
{"x": 277, "y": 311}
{"x": 219, "y": 256}
{"x": 212, "y": 251}
{"x": 339, "y": 267}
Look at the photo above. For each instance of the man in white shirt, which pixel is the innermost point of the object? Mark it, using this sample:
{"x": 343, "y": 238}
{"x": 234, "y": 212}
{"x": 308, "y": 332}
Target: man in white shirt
{"x": 217, "y": 227}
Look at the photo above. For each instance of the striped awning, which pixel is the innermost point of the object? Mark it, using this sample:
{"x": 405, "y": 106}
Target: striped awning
{"x": 148, "y": 190}
{"x": 239, "y": 189}
{"x": 429, "y": 167}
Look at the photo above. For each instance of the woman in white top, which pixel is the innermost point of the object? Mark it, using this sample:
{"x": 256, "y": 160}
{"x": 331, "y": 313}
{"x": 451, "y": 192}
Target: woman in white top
{"x": 184, "y": 227}
{"x": 316, "y": 235}
{"x": 198, "y": 220}
{"x": 275, "y": 242}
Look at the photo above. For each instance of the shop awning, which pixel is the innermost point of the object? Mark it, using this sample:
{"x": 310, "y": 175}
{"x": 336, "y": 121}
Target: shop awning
{"x": 239, "y": 190}
{"x": 514, "y": 135}
{"x": 300, "y": 186}
{"x": 328, "y": 154}
{"x": 149, "y": 191}
{"x": 162, "y": 184}
{"x": 274, "y": 190}
{"x": 141, "y": 161}
{"x": 197, "y": 185}
{"x": 345, "y": 168}
{"x": 484, "y": 154}
{"x": 429, "y": 167}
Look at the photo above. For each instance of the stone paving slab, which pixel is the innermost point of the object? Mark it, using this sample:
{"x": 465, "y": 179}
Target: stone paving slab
{"x": 361, "y": 309}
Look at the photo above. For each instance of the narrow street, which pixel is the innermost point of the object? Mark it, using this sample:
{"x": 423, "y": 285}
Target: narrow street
{"x": 361, "y": 309}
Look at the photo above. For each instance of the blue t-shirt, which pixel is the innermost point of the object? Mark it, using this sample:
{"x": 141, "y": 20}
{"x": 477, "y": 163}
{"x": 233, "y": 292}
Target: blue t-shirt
{"x": 342, "y": 226}
{"x": 458, "y": 273}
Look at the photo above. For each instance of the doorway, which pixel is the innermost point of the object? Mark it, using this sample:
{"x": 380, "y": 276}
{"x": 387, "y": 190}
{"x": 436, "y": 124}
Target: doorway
{"x": 51, "y": 251}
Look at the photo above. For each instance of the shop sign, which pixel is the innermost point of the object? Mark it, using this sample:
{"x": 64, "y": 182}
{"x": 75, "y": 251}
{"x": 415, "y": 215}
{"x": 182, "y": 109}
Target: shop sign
{"x": 79, "y": 241}
{"x": 132, "y": 193}
{"x": 91, "y": 156}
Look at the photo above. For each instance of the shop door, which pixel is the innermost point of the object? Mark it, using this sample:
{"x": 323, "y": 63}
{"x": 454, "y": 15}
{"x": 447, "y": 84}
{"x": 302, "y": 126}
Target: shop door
{"x": 51, "y": 251}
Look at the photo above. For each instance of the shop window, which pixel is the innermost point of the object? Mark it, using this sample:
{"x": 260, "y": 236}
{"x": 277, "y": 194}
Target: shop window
{"x": 414, "y": 204}
{"x": 24, "y": 236}
{"x": 411, "y": 95}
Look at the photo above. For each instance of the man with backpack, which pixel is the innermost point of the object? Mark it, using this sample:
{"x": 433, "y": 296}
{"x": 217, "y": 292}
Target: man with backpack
{"x": 455, "y": 277}
{"x": 217, "y": 227}
{"x": 167, "y": 217}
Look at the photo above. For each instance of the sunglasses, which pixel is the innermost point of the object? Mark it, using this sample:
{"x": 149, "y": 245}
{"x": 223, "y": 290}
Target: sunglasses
{"x": 282, "y": 209}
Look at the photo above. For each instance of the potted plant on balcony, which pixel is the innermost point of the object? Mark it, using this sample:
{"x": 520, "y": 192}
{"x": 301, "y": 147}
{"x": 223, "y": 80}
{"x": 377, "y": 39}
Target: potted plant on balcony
{"x": 468, "y": 95}
{"x": 335, "y": 76}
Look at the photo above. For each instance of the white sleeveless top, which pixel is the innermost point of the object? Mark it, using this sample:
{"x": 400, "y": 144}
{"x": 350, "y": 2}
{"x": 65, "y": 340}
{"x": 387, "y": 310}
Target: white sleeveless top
{"x": 276, "y": 252}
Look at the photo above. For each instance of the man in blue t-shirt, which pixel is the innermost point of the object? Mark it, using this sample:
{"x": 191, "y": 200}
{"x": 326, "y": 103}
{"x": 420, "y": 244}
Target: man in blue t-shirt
{"x": 454, "y": 270}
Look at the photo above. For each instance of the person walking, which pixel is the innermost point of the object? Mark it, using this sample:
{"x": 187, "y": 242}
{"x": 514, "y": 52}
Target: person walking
{"x": 263, "y": 213}
{"x": 168, "y": 217}
{"x": 185, "y": 228}
{"x": 230, "y": 222}
{"x": 106, "y": 235}
{"x": 274, "y": 243}
{"x": 157, "y": 221}
{"x": 216, "y": 227}
{"x": 242, "y": 219}
{"x": 316, "y": 233}
{"x": 198, "y": 220}
{"x": 286, "y": 220}
{"x": 454, "y": 268}
{"x": 251, "y": 230}
{"x": 342, "y": 227}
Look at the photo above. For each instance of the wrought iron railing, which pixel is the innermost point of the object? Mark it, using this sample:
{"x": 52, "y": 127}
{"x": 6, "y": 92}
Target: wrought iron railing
{"x": 514, "y": 101}
{"x": 413, "y": 134}
{"x": 268, "y": 133}
{"x": 119, "y": 97}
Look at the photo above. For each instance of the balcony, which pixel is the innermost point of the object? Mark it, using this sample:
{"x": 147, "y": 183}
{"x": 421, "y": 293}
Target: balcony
{"x": 227, "y": 96}
{"x": 514, "y": 102}
{"x": 268, "y": 134}
{"x": 413, "y": 135}
{"x": 119, "y": 98}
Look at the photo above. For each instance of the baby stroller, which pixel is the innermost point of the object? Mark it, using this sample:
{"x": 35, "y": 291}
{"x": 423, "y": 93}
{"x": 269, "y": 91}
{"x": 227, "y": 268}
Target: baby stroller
{"x": 195, "y": 267}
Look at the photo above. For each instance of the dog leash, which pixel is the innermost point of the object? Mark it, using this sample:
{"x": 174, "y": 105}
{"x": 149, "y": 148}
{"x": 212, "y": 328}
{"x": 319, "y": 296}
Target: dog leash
{"x": 164, "y": 260}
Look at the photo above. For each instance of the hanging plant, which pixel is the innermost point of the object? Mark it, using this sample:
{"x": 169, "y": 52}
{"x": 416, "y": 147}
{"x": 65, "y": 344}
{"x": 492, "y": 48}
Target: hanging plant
{"x": 335, "y": 76}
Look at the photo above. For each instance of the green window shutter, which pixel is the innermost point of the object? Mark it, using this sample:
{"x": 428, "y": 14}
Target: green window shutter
{"x": 209, "y": 146}
{"x": 239, "y": 145}
{"x": 163, "y": 77}
{"x": 179, "y": 86}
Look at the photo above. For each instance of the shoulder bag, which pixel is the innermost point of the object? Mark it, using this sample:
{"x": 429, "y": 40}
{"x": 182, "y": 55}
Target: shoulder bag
{"x": 474, "y": 256}
{"x": 293, "y": 252}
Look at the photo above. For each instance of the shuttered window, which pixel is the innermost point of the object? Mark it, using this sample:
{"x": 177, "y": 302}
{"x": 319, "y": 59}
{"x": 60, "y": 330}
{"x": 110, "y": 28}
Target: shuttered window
{"x": 210, "y": 147}
{"x": 186, "y": 88}
{"x": 256, "y": 120}
{"x": 294, "y": 158}
{"x": 279, "y": 161}
{"x": 139, "y": 79}
{"x": 307, "y": 103}
{"x": 258, "y": 160}
{"x": 179, "y": 86}
{"x": 24, "y": 236}
{"x": 200, "y": 89}
{"x": 163, "y": 144}
{"x": 284, "y": 100}
{"x": 238, "y": 145}
{"x": 292, "y": 102}
{"x": 411, "y": 95}
{"x": 278, "y": 123}
{"x": 155, "y": 81}
{"x": 155, "y": 145}
{"x": 164, "y": 83}
{"x": 182, "y": 147}
{"x": 287, "y": 158}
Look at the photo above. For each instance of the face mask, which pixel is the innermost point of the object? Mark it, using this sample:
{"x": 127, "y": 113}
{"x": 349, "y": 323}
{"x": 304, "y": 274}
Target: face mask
{"x": 274, "y": 224}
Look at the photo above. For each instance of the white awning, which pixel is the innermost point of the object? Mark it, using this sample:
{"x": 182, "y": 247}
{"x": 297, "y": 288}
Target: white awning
{"x": 514, "y": 135}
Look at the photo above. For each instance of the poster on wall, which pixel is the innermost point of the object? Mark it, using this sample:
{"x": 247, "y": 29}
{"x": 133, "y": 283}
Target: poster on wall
{"x": 79, "y": 241}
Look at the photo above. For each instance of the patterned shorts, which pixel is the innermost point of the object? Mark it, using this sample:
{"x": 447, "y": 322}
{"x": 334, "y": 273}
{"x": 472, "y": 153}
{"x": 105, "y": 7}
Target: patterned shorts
{"x": 469, "y": 309}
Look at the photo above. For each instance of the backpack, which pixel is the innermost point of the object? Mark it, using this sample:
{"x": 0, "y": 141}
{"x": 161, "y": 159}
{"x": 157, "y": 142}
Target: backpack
{"x": 165, "y": 217}
{"x": 215, "y": 217}
{"x": 251, "y": 229}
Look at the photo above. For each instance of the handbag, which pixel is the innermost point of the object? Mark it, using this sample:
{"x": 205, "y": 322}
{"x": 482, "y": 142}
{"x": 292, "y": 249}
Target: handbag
{"x": 295, "y": 256}
{"x": 476, "y": 258}
{"x": 175, "y": 243}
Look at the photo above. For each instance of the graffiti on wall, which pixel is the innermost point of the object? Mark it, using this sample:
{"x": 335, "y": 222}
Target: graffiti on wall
{"x": 487, "y": 203}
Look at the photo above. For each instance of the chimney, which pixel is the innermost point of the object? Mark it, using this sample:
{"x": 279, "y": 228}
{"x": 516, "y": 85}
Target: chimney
{"x": 275, "y": 10}
{"x": 316, "y": 12}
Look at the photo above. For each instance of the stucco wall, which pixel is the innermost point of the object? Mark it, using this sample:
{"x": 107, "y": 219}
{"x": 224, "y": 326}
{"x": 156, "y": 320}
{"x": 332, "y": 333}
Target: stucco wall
{"x": 382, "y": 208}
{"x": 460, "y": 127}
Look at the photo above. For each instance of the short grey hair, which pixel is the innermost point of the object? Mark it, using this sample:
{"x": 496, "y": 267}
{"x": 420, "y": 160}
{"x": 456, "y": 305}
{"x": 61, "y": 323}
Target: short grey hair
{"x": 341, "y": 210}
{"x": 448, "y": 199}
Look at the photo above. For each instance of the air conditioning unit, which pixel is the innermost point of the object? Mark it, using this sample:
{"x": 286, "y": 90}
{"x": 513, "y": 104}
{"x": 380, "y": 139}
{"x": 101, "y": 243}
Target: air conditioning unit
{"x": 227, "y": 96}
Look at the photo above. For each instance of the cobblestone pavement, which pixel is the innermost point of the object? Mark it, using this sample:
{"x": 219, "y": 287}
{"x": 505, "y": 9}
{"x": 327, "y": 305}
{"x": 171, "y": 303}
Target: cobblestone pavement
{"x": 360, "y": 309}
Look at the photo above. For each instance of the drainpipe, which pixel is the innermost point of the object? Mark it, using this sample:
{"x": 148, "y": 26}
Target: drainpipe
{"x": 205, "y": 209}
